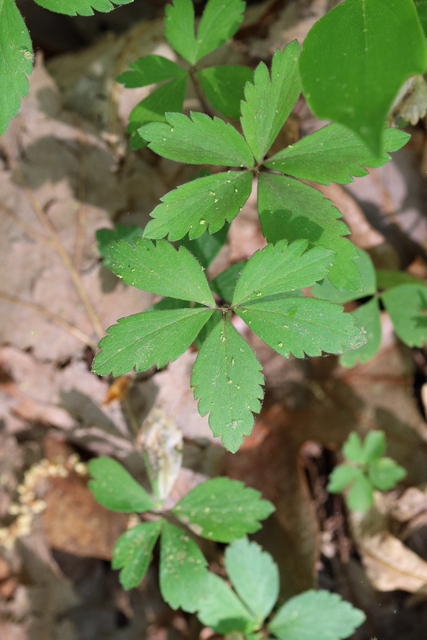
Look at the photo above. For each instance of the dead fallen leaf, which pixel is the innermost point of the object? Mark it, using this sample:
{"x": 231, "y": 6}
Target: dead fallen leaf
{"x": 389, "y": 564}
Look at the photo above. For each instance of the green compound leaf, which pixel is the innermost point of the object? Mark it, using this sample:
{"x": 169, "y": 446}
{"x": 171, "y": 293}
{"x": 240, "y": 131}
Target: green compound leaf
{"x": 183, "y": 573}
{"x": 289, "y": 209}
{"x": 268, "y": 103}
{"x": 224, "y": 87}
{"x": 367, "y": 317}
{"x": 228, "y": 381}
{"x": 154, "y": 337}
{"x": 207, "y": 246}
{"x": 361, "y": 495}
{"x": 219, "y": 23}
{"x": 168, "y": 97}
{"x": 80, "y": 7}
{"x": 281, "y": 268}
{"x": 326, "y": 290}
{"x": 254, "y": 575}
{"x": 353, "y": 448}
{"x": 385, "y": 473}
{"x": 148, "y": 70}
{"x": 114, "y": 488}
{"x": 223, "y": 510}
{"x": 302, "y": 326}
{"x": 342, "y": 476}
{"x": 222, "y": 610}
{"x": 105, "y": 237}
{"x": 334, "y": 154}
{"x": 161, "y": 269}
{"x": 421, "y": 6}
{"x": 200, "y": 204}
{"x": 179, "y": 28}
{"x": 374, "y": 445}
{"x": 316, "y": 614}
{"x": 16, "y": 61}
{"x": 225, "y": 283}
{"x": 198, "y": 140}
{"x": 133, "y": 550}
{"x": 406, "y": 305}
{"x": 368, "y": 50}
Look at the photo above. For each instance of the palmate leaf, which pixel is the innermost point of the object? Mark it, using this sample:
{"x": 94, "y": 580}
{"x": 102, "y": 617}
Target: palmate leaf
{"x": 342, "y": 476}
{"x": 227, "y": 381}
{"x": 148, "y": 70}
{"x": 168, "y": 97}
{"x": 16, "y": 61}
{"x": 161, "y": 269}
{"x": 281, "y": 268}
{"x": 220, "y": 608}
{"x": 223, "y": 510}
{"x": 406, "y": 306}
{"x": 183, "y": 573}
{"x": 144, "y": 339}
{"x": 268, "y": 103}
{"x": 334, "y": 154}
{"x": 302, "y": 326}
{"x": 219, "y": 23}
{"x": 224, "y": 87}
{"x": 80, "y": 7}
{"x": 114, "y": 488}
{"x": 368, "y": 50}
{"x": 132, "y": 552}
{"x": 198, "y": 140}
{"x": 385, "y": 473}
{"x": 368, "y": 317}
{"x": 326, "y": 290}
{"x": 254, "y": 575}
{"x": 361, "y": 494}
{"x": 316, "y": 614}
{"x": 179, "y": 28}
{"x": 291, "y": 209}
{"x": 205, "y": 203}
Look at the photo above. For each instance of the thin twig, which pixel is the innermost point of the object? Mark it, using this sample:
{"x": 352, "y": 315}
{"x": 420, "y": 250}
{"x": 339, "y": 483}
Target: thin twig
{"x": 31, "y": 232}
{"x": 50, "y": 316}
{"x": 57, "y": 244}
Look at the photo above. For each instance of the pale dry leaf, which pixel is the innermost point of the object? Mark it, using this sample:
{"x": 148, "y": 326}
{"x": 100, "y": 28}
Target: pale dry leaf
{"x": 389, "y": 564}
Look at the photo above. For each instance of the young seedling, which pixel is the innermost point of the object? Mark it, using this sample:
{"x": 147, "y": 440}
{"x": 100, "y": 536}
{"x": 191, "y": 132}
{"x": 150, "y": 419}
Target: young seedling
{"x": 266, "y": 291}
{"x": 219, "y": 509}
{"x": 367, "y": 469}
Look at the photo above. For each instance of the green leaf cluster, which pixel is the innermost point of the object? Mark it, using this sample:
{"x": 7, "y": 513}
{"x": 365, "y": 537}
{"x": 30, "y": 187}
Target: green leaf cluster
{"x": 403, "y": 296}
{"x": 368, "y": 469}
{"x": 368, "y": 50}
{"x": 244, "y": 606}
{"x": 227, "y": 378}
{"x": 288, "y": 208}
{"x": 223, "y": 85}
{"x": 219, "y": 509}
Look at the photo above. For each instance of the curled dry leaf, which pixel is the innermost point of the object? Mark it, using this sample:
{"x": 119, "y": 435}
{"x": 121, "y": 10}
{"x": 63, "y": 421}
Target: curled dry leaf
{"x": 390, "y": 565}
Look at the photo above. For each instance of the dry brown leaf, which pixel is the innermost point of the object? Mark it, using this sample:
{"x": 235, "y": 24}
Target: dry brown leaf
{"x": 74, "y": 522}
{"x": 389, "y": 564}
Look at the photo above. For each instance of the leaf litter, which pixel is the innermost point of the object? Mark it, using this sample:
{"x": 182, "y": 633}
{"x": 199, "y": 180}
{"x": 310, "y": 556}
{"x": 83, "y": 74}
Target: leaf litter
{"x": 52, "y": 404}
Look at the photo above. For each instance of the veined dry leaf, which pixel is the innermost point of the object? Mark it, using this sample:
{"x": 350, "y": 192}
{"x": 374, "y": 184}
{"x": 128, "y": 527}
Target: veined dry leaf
{"x": 389, "y": 564}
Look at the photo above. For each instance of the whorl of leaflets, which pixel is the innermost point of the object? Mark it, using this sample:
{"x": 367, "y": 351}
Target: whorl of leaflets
{"x": 227, "y": 378}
